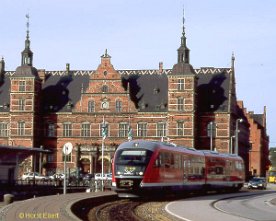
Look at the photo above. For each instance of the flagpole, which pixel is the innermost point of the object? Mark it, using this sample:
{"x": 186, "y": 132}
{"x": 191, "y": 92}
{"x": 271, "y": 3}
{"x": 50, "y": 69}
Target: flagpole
{"x": 103, "y": 137}
{"x": 129, "y": 132}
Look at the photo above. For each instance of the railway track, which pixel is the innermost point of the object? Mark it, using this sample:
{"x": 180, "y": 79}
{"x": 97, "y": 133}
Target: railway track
{"x": 126, "y": 210}
{"x": 120, "y": 210}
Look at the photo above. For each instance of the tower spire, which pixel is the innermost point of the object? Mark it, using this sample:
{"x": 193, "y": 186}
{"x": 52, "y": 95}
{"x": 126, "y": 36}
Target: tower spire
{"x": 183, "y": 38}
{"x": 183, "y": 51}
{"x": 27, "y": 54}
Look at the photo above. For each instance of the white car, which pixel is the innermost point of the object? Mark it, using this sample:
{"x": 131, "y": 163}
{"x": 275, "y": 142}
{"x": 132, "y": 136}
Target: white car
{"x": 106, "y": 176}
{"x": 57, "y": 176}
{"x": 33, "y": 175}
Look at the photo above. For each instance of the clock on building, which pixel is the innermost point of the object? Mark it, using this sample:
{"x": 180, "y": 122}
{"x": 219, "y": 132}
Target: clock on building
{"x": 105, "y": 105}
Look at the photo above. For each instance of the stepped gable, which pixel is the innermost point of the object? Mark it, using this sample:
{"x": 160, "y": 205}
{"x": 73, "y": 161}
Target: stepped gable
{"x": 258, "y": 118}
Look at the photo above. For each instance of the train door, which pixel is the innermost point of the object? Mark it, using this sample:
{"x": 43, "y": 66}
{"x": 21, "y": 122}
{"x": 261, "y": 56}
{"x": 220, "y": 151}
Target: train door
{"x": 186, "y": 165}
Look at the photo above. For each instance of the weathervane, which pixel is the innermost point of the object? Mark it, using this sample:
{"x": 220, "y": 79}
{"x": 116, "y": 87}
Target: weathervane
{"x": 28, "y": 23}
{"x": 183, "y": 20}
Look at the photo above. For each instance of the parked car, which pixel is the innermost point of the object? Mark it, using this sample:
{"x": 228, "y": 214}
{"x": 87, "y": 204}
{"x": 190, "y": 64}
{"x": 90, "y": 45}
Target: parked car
{"x": 57, "y": 176}
{"x": 88, "y": 177}
{"x": 257, "y": 183}
{"x": 109, "y": 176}
{"x": 106, "y": 176}
{"x": 34, "y": 175}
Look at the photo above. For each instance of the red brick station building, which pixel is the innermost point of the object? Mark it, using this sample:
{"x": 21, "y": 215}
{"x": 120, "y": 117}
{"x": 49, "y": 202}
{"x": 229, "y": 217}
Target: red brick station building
{"x": 193, "y": 107}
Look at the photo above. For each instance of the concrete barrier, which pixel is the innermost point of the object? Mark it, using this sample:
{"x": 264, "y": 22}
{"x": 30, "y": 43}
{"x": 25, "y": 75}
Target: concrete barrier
{"x": 8, "y": 199}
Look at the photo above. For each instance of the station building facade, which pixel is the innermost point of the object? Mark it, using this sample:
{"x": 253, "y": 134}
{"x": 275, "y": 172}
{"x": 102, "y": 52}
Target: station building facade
{"x": 192, "y": 107}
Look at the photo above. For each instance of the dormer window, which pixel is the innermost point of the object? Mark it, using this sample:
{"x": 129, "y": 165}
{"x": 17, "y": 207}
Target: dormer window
{"x": 156, "y": 90}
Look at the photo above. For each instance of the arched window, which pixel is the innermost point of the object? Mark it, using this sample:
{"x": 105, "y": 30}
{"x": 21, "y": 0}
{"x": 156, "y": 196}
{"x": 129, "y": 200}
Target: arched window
{"x": 91, "y": 106}
{"x": 105, "y": 88}
{"x": 118, "y": 106}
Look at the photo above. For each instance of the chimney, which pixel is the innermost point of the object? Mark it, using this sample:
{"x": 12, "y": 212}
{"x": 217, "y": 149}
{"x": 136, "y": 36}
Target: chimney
{"x": 160, "y": 67}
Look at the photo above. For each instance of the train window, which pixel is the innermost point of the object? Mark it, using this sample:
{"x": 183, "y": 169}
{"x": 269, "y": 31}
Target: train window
{"x": 219, "y": 170}
{"x": 133, "y": 157}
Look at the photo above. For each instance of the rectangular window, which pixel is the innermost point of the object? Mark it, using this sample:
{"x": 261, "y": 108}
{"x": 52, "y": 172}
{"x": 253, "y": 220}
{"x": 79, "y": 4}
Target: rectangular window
{"x": 123, "y": 129}
{"x": 67, "y": 129}
{"x": 3, "y": 129}
{"x": 51, "y": 130}
{"x": 50, "y": 158}
{"x": 85, "y": 130}
{"x": 180, "y": 104}
{"x": 21, "y": 104}
{"x": 21, "y": 129}
{"x": 142, "y": 129}
{"x": 22, "y": 85}
{"x": 161, "y": 129}
{"x": 179, "y": 128}
{"x": 180, "y": 84}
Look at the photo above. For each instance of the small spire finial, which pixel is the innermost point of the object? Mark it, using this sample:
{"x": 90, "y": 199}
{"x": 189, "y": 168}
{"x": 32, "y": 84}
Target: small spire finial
{"x": 183, "y": 33}
{"x": 28, "y": 24}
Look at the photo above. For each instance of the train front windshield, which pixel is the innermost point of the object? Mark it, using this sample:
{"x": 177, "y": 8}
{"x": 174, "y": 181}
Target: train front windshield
{"x": 132, "y": 161}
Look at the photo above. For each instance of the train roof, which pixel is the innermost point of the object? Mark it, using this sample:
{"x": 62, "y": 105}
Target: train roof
{"x": 210, "y": 153}
{"x": 153, "y": 145}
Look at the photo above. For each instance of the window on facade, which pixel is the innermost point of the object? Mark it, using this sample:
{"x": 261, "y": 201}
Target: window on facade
{"x": 180, "y": 128}
{"x": 22, "y": 85}
{"x": 161, "y": 129}
{"x": 123, "y": 129}
{"x": 3, "y": 129}
{"x": 85, "y": 129}
{"x": 180, "y": 104}
{"x": 118, "y": 106}
{"x": 21, "y": 128}
{"x": 68, "y": 157}
{"x": 105, "y": 88}
{"x": 50, "y": 158}
{"x": 21, "y": 104}
{"x": 67, "y": 129}
{"x": 142, "y": 129}
{"x": 51, "y": 130}
{"x": 91, "y": 106}
{"x": 180, "y": 84}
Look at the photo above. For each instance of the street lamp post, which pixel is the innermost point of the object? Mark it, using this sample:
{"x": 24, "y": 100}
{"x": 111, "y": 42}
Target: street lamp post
{"x": 237, "y": 135}
{"x": 231, "y": 144}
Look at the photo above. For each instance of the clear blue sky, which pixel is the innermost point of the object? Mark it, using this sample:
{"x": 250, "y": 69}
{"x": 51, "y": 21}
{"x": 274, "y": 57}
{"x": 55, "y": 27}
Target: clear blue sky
{"x": 139, "y": 34}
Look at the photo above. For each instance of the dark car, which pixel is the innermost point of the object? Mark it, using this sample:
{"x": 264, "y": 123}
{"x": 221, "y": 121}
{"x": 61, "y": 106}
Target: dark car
{"x": 257, "y": 183}
{"x": 88, "y": 176}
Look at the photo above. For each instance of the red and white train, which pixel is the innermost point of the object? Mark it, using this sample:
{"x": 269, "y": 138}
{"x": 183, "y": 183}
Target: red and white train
{"x": 141, "y": 166}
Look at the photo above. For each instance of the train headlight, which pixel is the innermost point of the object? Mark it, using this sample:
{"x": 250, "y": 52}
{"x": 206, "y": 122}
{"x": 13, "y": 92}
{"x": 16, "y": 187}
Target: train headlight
{"x": 141, "y": 173}
{"x": 118, "y": 172}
